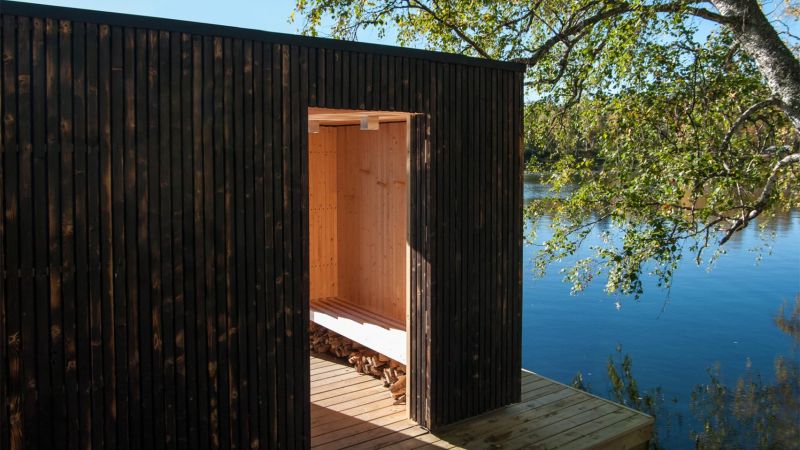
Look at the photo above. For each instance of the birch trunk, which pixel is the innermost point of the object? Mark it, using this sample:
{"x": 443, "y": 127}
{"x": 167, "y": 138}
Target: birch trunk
{"x": 776, "y": 62}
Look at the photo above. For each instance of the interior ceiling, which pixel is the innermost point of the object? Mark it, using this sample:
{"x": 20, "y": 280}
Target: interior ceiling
{"x": 327, "y": 116}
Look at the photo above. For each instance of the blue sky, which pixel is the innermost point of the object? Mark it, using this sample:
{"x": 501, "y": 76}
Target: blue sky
{"x": 269, "y": 15}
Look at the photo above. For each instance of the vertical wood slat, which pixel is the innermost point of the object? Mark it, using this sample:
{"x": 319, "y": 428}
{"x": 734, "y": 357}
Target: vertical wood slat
{"x": 239, "y": 252}
{"x": 267, "y": 157}
{"x": 304, "y": 294}
{"x": 280, "y": 373}
{"x": 95, "y": 317}
{"x": 452, "y": 199}
{"x": 166, "y": 391}
{"x": 39, "y": 142}
{"x": 25, "y": 212}
{"x": 179, "y": 133}
{"x": 259, "y": 283}
{"x": 491, "y": 219}
{"x": 249, "y": 323}
{"x": 436, "y": 218}
{"x": 286, "y": 215}
{"x": 151, "y": 317}
{"x": 515, "y": 254}
{"x": 140, "y": 374}
{"x": 68, "y": 232}
{"x": 501, "y": 233}
{"x": 233, "y": 175}
{"x": 473, "y": 287}
{"x": 237, "y": 297}
{"x": 162, "y": 306}
{"x": 4, "y": 426}
{"x": 112, "y": 125}
{"x": 220, "y": 340}
{"x": 164, "y": 279}
{"x": 191, "y": 79}
{"x": 14, "y": 384}
{"x": 81, "y": 269}
{"x": 209, "y": 424}
{"x": 124, "y": 310}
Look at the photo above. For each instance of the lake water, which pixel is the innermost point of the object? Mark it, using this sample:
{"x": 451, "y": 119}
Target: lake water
{"x": 723, "y": 316}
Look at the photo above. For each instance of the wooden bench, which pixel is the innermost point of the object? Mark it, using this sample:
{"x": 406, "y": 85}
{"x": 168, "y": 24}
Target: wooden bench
{"x": 379, "y": 333}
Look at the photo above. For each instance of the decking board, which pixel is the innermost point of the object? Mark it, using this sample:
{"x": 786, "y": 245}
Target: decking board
{"x": 551, "y": 415}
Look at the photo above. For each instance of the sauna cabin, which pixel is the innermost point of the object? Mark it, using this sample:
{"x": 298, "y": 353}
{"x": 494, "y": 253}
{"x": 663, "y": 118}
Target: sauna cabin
{"x": 358, "y": 226}
{"x": 182, "y": 200}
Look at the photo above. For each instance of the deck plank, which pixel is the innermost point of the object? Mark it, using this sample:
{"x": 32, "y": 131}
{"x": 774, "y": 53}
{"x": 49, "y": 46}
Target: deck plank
{"x": 609, "y": 436}
{"x": 342, "y": 387}
{"x": 349, "y": 410}
{"x": 359, "y": 427}
{"x": 345, "y": 421}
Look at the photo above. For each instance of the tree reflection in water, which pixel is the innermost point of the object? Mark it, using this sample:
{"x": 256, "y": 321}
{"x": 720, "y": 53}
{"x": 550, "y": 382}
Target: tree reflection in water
{"x": 752, "y": 413}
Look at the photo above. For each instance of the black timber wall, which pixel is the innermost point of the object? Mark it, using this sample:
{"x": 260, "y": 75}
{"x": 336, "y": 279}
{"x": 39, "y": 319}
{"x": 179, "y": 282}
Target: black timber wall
{"x": 153, "y": 190}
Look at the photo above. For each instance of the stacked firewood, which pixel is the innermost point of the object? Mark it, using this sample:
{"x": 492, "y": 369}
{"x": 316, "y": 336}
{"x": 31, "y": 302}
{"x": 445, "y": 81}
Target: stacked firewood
{"x": 364, "y": 360}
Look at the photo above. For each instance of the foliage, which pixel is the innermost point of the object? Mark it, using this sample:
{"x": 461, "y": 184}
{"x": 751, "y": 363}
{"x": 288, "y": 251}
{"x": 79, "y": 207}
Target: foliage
{"x": 645, "y": 113}
{"x": 651, "y": 158}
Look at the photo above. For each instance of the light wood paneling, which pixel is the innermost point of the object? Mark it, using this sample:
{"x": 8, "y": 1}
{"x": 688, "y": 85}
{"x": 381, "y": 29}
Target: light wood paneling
{"x": 373, "y": 205}
{"x": 358, "y": 223}
{"x": 323, "y": 229}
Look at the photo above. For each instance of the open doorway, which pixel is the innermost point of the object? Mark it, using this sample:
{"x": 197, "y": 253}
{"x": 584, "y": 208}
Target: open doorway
{"x": 358, "y": 187}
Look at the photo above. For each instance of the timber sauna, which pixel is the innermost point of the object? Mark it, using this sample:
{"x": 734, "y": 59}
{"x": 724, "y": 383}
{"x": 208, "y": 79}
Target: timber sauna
{"x": 180, "y": 201}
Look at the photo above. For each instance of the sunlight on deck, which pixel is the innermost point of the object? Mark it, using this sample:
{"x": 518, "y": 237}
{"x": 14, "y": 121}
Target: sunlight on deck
{"x": 349, "y": 410}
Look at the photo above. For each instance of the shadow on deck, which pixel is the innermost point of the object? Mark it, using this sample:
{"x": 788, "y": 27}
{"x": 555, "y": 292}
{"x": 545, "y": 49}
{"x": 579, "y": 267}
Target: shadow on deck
{"x": 349, "y": 410}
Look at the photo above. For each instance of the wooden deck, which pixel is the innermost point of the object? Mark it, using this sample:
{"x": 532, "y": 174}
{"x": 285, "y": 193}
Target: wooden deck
{"x": 349, "y": 410}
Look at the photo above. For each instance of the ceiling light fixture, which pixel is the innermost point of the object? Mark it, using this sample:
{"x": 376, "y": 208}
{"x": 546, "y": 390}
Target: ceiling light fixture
{"x": 370, "y": 123}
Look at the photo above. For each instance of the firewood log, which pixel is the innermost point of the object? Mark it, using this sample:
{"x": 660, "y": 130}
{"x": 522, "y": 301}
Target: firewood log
{"x": 363, "y": 360}
{"x": 398, "y": 389}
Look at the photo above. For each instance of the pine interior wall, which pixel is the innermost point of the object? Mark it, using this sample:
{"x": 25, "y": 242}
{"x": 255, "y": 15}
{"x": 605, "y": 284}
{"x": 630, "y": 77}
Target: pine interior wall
{"x": 154, "y": 181}
{"x": 323, "y": 188}
{"x": 358, "y": 199}
{"x": 373, "y": 218}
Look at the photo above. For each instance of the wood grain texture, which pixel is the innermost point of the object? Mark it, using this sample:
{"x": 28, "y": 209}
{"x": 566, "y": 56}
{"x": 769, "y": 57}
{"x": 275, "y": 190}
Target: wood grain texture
{"x": 155, "y": 220}
{"x": 373, "y": 218}
{"x": 358, "y": 193}
{"x": 323, "y": 213}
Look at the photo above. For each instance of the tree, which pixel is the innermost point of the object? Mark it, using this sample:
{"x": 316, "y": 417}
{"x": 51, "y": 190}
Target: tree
{"x": 677, "y": 120}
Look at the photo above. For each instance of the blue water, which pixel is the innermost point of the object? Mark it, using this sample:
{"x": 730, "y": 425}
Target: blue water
{"x": 720, "y": 316}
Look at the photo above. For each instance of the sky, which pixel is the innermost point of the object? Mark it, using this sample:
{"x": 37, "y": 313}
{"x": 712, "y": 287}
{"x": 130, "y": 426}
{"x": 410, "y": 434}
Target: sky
{"x": 268, "y": 15}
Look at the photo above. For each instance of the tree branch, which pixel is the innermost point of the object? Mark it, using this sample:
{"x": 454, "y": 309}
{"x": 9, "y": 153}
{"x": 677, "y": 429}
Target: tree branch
{"x": 458, "y": 31}
{"x": 624, "y": 8}
{"x": 763, "y": 199}
{"x": 744, "y": 116}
